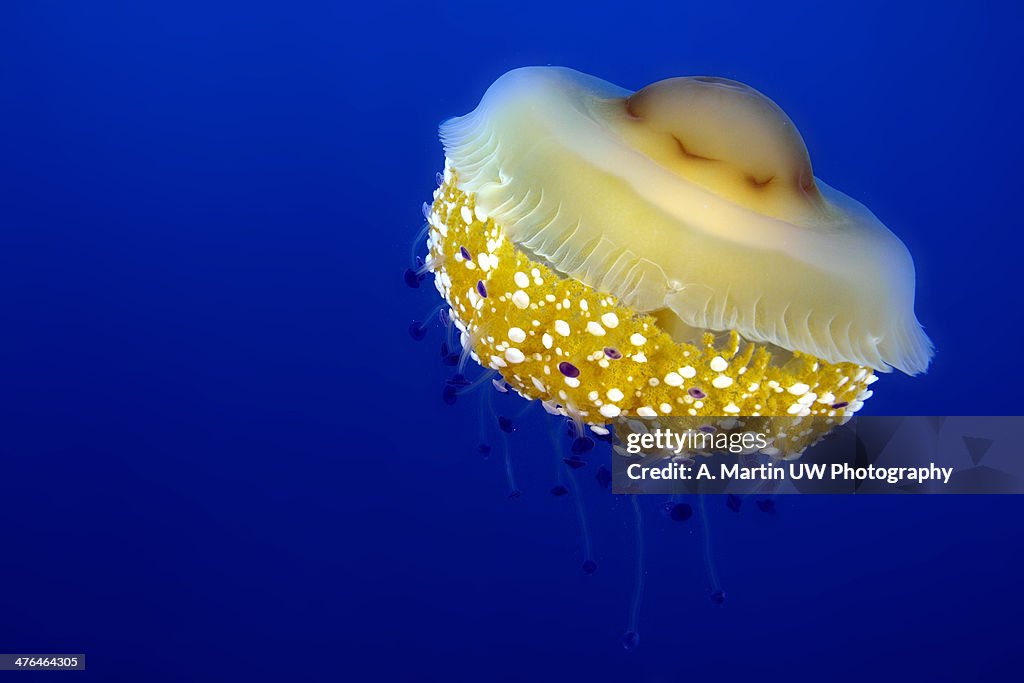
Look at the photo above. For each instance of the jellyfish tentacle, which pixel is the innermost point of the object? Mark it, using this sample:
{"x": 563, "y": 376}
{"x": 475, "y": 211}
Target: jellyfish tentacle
{"x": 469, "y": 336}
{"x": 524, "y": 410}
{"x": 573, "y": 414}
{"x": 480, "y": 381}
{"x": 449, "y": 325}
{"x": 513, "y": 489}
{"x": 418, "y": 241}
{"x": 466, "y": 341}
{"x": 483, "y": 444}
{"x": 589, "y": 564}
{"x": 717, "y": 594}
{"x": 632, "y": 636}
{"x": 418, "y": 328}
{"x": 510, "y": 477}
{"x": 431, "y": 317}
{"x": 430, "y": 265}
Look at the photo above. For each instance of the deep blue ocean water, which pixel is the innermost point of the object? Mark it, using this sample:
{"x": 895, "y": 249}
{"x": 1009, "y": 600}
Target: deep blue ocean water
{"x": 223, "y": 458}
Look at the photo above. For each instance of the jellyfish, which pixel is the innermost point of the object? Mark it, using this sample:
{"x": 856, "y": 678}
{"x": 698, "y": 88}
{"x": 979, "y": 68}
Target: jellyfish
{"x": 667, "y": 252}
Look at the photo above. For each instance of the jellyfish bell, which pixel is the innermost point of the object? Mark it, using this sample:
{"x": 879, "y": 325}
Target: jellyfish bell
{"x": 729, "y": 139}
{"x": 667, "y": 252}
{"x": 692, "y": 194}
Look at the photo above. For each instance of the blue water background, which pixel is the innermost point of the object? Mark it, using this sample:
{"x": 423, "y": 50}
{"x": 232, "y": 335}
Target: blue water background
{"x": 222, "y": 457}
